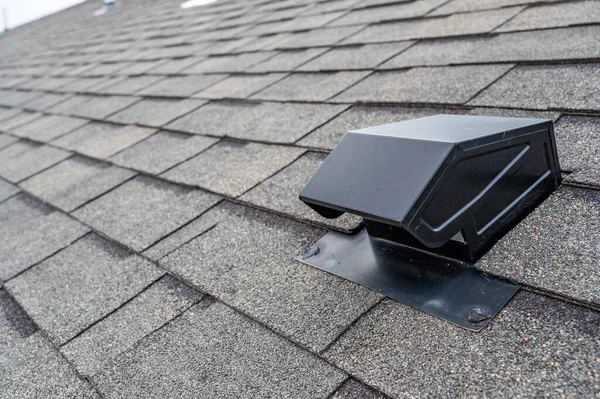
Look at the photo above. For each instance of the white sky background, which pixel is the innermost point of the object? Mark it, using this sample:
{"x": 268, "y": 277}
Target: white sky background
{"x": 23, "y": 11}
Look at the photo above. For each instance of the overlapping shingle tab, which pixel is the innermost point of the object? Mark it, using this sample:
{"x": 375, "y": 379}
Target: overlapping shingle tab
{"x": 150, "y": 162}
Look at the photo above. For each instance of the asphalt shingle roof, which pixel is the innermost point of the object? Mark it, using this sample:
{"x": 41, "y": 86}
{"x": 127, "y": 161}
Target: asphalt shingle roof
{"x": 150, "y": 163}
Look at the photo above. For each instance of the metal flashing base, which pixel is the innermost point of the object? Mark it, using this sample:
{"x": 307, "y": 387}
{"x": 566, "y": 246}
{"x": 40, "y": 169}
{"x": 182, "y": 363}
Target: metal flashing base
{"x": 444, "y": 288}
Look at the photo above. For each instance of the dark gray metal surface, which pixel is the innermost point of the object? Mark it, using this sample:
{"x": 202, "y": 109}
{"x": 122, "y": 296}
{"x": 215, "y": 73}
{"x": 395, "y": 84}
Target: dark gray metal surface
{"x": 444, "y": 288}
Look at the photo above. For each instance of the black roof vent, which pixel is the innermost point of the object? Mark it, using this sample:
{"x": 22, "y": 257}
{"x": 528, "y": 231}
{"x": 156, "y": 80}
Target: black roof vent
{"x": 454, "y": 183}
{"x": 449, "y": 185}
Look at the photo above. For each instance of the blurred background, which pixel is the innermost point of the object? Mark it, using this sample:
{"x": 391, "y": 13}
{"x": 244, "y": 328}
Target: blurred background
{"x": 18, "y": 12}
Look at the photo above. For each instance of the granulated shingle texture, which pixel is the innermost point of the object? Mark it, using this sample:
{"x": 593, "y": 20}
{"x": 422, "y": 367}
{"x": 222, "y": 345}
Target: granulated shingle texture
{"x": 117, "y": 333}
{"x": 550, "y": 16}
{"x": 193, "y": 229}
{"x": 355, "y": 57}
{"x": 130, "y": 85}
{"x": 554, "y": 44}
{"x": 536, "y": 344}
{"x": 476, "y": 5}
{"x": 229, "y": 63}
{"x": 353, "y": 389}
{"x": 317, "y": 37}
{"x": 181, "y": 86}
{"x": 31, "y": 232}
{"x": 280, "y": 193}
{"x": 232, "y": 168}
{"x": 453, "y": 25}
{"x": 45, "y": 101}
{"x": 271, "y": 122}
{"x": 240, "y": 86}
{"x": 287, "y": 60}
{"x": 48, "y": 127}
{"x": 30, "y": 162}
{"x": 101, "y": 140}
{"x": 6, "y": 140}
{"x": 548, "y": 87}
{"x": 162, "y": 151}
{"x": 93, "y": 107}
{"x": 312, "y": 311}
{"x": 7, "y": 190}
{"x": 75, "y": 181}
{"x": 555, "y": 248}
{"x": 32, "y": 368}
{"x": 576, "y": 139}
{"x": 358, "y": 117}
{"x": 154, "y": 112}
{"x": 69, "y": 291}
{"x": 310, "y": 86}
{"x": 425, "y": 85}
{"x": 408, "y": 9}
{"x": 144, "y": 210}
{"x": 19, "y": 119}
{"x": 215, "y": 352}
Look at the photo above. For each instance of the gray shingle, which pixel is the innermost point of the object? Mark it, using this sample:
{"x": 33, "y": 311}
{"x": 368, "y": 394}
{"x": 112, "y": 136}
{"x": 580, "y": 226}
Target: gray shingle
{"x": 355, "y": 57}
{"x": 32, "y": 368}
{"x": 554, "y": 15}
{"x": 245, "y": 248}
{"x": 162, "y": 151}
{"x": 152, "y": 308}
{"x": 229, "y": 63}
{"x": 7, "y": 190}
{"x": 105, "y": 69}
{"x": 139, "y": 67}
{"x": 101, "y": 140}
{"x": 353, "y": 389}
{"x": 17, "y": 120}
{"x": 535, "y": 345}
{"x": 155, "y": 112}
{"x": 144, "y": 210}
{"x": 449, "y": 85}
{"x": 212, "y": 351}
{"x": 7, "y": 113}
{"x": 242, "y": 86}
{"x": 272, "y": 122}
{"x": 403, "y": 10}
{"x": 232, "y": 168}
{"x": 555, "y": 248}
{"x": 589, "y": 178}
{"x": 317, "y": 37}
{"x": 453, "y": 25}
{"x": 514, "y": 113}
{"x": 6, "y": 140}
{"x": 87, "y": 85}
{"x": 130, "y": 84}
{"x": 86, "y": 281}
{"x": 15, "y": 149}
{"x": 171, "y": 67}
{"x": 13, "y": 98}
{"x": 15, "y": 325}
{"x": 328, "y": 135}
{"x": 93, "y": 107}
{"x": 44, "y": 101}
{"x": 280, "y": 193}
{"x": 576, "y": 140}
{"x": 287, "y": 60}
{"x": 477, "y": 5}
{"x": 181, "y": 86}
{"x": 48, "y": 127}
{"x": 554, "y": 44}
{"x": 310, "y": 86}
{"x": 30, "y": 232}
{"x": 75, "y": 181}
{"x": 28, "y": 163}
{"x": 548, "y": 87}
{"x": 193, "y": 229}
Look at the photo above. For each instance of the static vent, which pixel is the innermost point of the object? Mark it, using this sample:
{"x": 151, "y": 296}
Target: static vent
{"x": 445, "y": 186}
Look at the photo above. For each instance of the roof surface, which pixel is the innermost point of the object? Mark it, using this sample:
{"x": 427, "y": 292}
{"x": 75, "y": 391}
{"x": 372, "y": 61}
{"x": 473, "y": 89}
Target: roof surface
{"x": 150, "y": 165}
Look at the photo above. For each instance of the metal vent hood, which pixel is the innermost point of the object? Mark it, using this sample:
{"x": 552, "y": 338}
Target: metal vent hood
{"x": 435, "y": 194}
